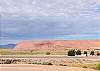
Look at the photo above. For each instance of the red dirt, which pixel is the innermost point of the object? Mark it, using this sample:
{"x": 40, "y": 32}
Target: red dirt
{"x": 58, "y": 44}
{"x": 23, "y": 67}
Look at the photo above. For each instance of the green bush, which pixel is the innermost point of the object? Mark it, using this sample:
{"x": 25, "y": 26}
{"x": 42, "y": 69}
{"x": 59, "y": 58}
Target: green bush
{"x": 98, "y": 66}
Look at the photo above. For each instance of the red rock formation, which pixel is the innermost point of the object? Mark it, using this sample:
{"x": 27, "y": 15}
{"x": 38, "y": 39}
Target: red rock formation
{"x": 57, "y": 44}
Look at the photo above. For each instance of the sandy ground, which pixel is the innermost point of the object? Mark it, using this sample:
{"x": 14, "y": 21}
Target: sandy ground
{"x": 27, "y": 67}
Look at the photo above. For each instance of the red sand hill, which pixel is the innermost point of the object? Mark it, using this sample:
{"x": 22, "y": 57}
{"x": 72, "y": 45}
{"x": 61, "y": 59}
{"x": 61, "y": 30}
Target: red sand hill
{"x": 57, "y": 44}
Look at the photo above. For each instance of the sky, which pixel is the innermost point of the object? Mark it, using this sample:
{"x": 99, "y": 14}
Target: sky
{"x": 49, "y": 19}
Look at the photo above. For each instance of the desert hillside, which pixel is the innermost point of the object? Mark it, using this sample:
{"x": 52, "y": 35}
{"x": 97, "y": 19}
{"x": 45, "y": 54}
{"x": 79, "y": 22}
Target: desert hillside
{"x": 57, "y": 44}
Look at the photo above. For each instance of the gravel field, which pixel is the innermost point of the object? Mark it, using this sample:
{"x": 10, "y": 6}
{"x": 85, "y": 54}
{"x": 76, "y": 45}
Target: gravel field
{"x": 51, "y": 59}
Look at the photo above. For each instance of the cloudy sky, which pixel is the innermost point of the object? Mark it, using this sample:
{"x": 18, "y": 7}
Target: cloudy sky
{"x": 49, "y": 19}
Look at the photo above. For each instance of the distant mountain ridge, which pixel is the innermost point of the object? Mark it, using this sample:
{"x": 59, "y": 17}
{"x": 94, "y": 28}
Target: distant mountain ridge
{"x": 8, "y": 46}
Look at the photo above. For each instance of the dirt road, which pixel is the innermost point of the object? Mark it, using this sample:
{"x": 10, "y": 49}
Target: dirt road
{"x": 27, "y": 67}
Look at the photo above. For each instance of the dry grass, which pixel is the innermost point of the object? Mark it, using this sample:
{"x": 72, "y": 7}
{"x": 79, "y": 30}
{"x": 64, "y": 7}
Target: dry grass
{"x": 31, "y": 52}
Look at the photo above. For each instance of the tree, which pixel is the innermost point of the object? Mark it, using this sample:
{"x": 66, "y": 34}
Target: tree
{"x": 78, "y": 52}
{"x": 71, "y": 52}
{"x": 92, "y": 53}
{"x": 85, "y": 52}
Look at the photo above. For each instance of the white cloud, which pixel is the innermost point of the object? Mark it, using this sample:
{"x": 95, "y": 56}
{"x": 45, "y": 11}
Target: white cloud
{"x": 48, "y": 7}
{"x": 32, "y": 18}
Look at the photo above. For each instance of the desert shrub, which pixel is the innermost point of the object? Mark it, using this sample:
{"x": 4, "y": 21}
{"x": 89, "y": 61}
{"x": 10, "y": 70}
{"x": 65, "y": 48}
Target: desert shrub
{"x": 98, "y": 66}
{"x": 42, "y": 63}
{"x": 49, "y": 64}
{"x": 46, "y": 63}
{"x": 8, "y": 61}
{"x": 85, "y": 52}
{"x": 98, "y": 54}
{"x": 84, "y": 66}
{"x": 78, "y": 52}
{"x": 34, "y": 63}
{"x": 92, "y": 53}
{"x": 30, "y": 63}
{"x": 62, "y": 65}
{"x": 47, "y": 53}
{"x": 71, "y": 52}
